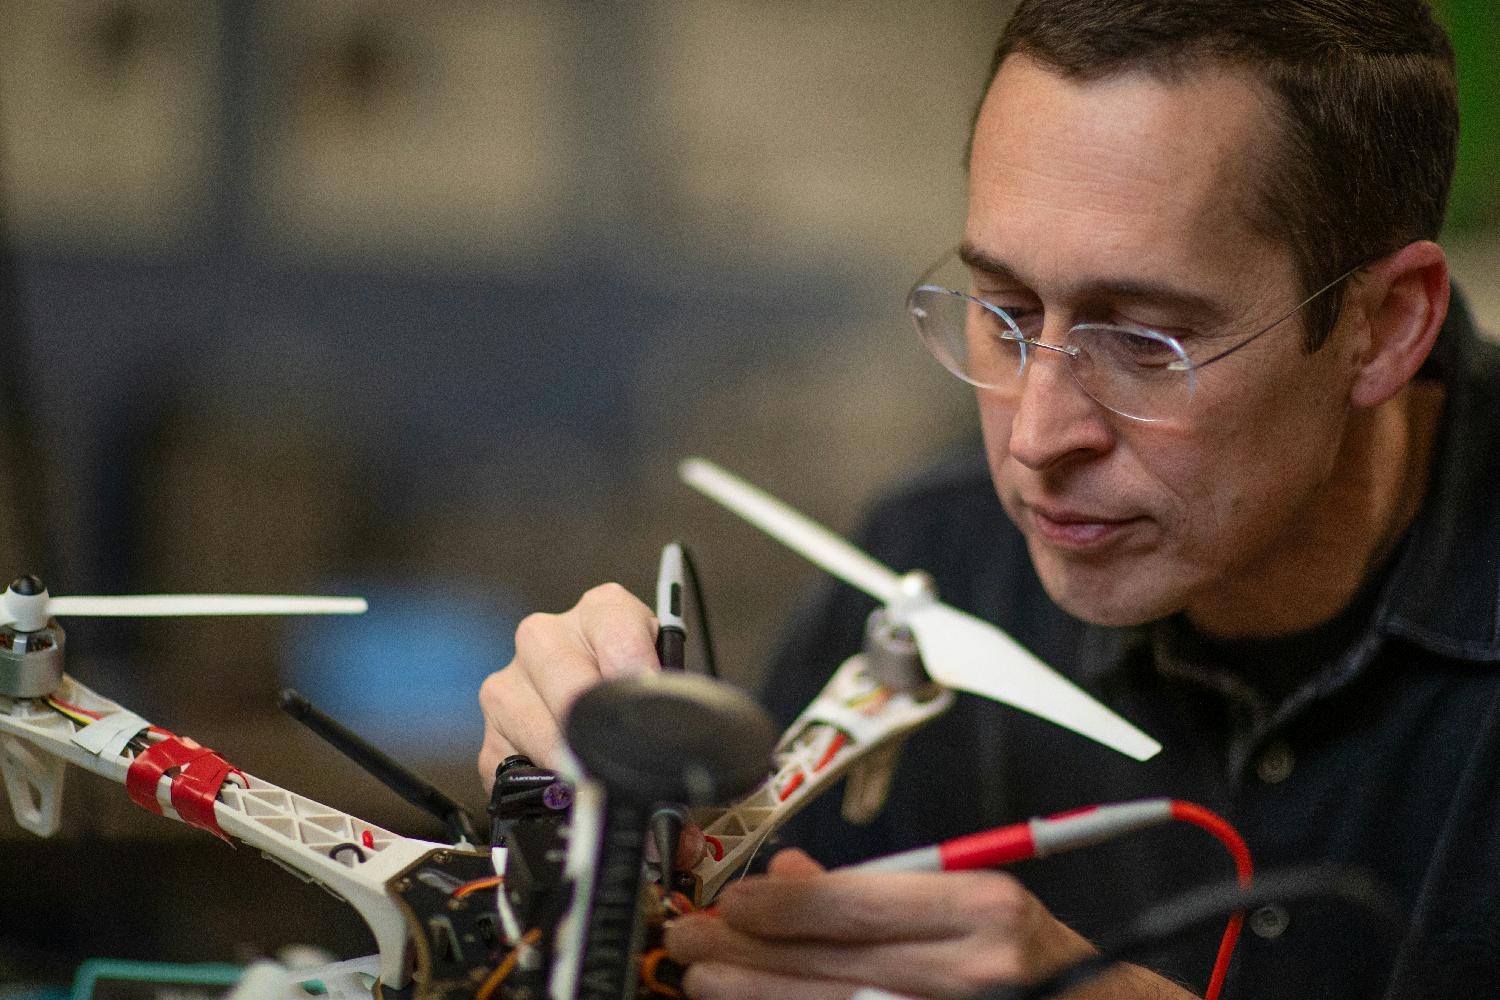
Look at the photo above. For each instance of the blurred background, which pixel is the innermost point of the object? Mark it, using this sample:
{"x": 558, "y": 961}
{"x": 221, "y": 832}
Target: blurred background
{"x": 424, "y": 303}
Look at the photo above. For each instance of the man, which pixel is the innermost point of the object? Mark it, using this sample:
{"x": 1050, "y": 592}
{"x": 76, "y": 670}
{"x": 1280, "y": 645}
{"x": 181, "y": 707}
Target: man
{"x": 1248, "y": 504}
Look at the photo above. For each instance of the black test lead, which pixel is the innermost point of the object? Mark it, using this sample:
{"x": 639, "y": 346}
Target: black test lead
{"x": 671, "y": 645}
{"x": 671, "y": 638}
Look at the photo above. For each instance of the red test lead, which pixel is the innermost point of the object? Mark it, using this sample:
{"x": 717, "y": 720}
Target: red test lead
{"x": 1065, "y": 831}
{"x": 1035, "y": 838}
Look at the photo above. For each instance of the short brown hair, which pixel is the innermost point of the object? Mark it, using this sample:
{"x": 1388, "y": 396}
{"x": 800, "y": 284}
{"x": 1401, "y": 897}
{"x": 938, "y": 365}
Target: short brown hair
{"x": 1368, "y": 108}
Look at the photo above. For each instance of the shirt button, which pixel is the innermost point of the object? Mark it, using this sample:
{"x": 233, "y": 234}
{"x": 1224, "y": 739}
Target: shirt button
{"x": 1269, "y": 922}
{"x": 1275, "y": 765}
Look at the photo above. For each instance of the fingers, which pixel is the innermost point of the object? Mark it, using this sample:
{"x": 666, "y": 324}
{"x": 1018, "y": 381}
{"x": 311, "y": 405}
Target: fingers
{"x": 793, "y": 863}
{"x": 518, "y": 719}
{"x": 860, "y": 906}
{"x": 692, "y": 848}
{"x": 717, "y": 981}
{"x": 608, "y": 633}
{"x": 913, "y": 933}
{"x": 942, "y": 968}
{"x": 618, "y": 631}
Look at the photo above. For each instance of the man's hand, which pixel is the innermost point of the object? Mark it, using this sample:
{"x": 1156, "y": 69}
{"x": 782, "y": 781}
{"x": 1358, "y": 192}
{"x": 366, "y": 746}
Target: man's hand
{"x": 607, "y": 634}
{"x": 802, "y": 932}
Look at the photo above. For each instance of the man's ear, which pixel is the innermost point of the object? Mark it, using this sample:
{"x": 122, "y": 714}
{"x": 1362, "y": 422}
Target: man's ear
{"x": 1404, "y": 297}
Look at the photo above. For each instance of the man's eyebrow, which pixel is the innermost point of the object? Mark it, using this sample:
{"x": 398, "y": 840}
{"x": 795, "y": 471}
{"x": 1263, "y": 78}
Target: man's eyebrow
{"x": 979, "y": 260}
{"x": 1201, "y": 306}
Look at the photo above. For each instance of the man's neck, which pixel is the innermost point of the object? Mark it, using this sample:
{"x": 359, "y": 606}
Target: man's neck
{"x": 1355, "y": 522}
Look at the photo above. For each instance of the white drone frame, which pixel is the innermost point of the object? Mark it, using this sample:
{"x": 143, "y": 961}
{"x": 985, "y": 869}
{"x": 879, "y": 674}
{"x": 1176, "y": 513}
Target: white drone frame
{"x": 853, "y": 728}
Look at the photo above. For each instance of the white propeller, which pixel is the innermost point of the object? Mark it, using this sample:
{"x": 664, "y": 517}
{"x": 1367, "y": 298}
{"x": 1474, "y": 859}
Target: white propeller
{"x": 26, "y": 605}
{"x": 958, "y": 650}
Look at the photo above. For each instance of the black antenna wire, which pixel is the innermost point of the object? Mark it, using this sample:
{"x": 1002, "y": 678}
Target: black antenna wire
{"x": 386, "y": 769}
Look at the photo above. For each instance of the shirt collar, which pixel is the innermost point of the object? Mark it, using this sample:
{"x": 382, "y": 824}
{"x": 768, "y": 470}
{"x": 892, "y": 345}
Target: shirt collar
{"x": 1445, "y": 592}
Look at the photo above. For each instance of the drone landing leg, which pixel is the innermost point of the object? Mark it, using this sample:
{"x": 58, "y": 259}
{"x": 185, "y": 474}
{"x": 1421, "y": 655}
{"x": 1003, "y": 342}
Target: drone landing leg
{"x": 34, "y": 784}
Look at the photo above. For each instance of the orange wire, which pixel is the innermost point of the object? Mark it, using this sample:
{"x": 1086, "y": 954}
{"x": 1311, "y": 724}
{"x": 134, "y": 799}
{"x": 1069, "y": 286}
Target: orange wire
{"x": 649, "y": 961}
{"x": 1217, "y": 825}
{"x": 490, "y": 985}
{"x": 477, "y": 885}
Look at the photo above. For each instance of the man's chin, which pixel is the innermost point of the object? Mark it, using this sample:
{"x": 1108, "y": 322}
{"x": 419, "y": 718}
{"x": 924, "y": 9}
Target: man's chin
{"x": 1116, "y": 597}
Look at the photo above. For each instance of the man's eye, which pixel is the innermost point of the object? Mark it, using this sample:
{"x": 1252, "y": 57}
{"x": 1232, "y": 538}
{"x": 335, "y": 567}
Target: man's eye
{"x": 1026, "y": 316}
{"x": 1143, "y": 346}
{"x": 1124, "y": 349}
{"x": 1147, "y": 352}
{"x": 1167, "y": 329}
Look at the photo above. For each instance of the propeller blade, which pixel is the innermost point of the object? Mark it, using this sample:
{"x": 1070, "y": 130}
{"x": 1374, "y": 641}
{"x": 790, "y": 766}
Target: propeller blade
{"x": 796, "y": 531}
{"x": 958, "y": 650}
{"x": 964, "y": 652}
{"x": 173, "y": 605}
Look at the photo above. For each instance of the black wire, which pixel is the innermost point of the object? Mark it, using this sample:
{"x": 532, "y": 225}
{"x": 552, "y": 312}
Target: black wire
{"x": 1353, "y": 888}
{"x": 359, "y": 852}
{"x": 699, "y": 626}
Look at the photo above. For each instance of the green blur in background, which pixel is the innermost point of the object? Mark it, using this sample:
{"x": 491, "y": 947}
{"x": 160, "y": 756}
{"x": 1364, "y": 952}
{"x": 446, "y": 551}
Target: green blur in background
{"x": 1475, "y": 28}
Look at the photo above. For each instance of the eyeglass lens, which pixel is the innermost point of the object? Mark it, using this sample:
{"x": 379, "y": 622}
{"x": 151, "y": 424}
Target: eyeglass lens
{"x": 1134, "y": 372}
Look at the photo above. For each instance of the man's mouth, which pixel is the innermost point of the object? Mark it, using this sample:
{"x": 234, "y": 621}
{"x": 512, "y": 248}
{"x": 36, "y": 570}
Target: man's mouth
{"x": 1077, "y": 530}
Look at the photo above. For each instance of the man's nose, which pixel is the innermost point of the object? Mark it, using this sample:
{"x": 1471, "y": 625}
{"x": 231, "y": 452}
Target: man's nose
{"x": 1054, "y": 418}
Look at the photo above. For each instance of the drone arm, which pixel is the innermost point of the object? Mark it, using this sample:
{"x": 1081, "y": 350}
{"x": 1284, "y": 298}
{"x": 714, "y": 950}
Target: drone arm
{"x": 851, "y": 719}
{"x": 351, "y": 858}
{"x": 315, "y": 841}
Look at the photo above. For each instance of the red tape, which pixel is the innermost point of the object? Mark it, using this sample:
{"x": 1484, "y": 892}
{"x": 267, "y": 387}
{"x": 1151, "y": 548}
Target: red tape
{"x": 197, "y": 775}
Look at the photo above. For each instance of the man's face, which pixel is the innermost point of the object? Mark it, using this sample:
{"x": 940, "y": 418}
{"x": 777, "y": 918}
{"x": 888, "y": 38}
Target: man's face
{"x": 1128, "y": 199}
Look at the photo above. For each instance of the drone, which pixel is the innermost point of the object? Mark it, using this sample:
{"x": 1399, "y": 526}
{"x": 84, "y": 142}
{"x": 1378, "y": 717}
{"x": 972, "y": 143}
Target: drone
{"x": 561, "y": 903}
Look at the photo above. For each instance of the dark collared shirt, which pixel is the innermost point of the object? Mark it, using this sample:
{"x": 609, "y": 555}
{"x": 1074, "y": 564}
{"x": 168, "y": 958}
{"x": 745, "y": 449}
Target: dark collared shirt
{"x": 1383, "y": 753}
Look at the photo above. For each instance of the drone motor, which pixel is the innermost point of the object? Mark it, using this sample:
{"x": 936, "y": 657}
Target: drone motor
{"x": 31, "y": 659}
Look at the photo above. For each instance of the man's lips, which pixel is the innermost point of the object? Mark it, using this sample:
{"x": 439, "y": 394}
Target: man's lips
{"x": 1076, "y": 529}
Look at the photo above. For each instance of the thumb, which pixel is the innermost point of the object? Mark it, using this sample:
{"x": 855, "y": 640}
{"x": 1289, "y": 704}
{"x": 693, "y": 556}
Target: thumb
{"x": 793, "y": 863}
